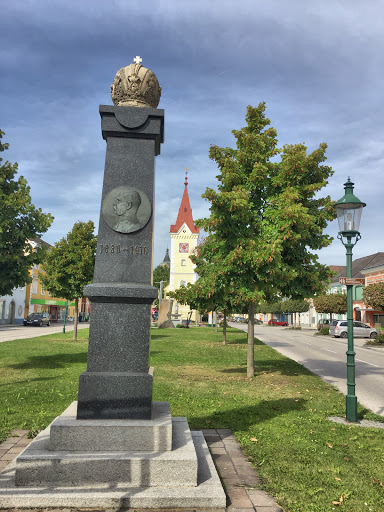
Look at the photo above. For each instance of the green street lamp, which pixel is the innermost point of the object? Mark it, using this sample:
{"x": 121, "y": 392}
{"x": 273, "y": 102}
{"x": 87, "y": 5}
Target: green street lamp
{"x": 349, "y": 209}
{"x": 65, "y": 316}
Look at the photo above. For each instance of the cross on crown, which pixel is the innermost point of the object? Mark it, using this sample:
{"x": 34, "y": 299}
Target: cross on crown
{"x": 137, "y": 60}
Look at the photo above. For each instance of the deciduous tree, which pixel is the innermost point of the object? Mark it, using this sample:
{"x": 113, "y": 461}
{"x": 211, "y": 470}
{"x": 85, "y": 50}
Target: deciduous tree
{"x": 209, "y": 292}
{"x": 266, "y": 217}
{"x": 20, "y": 222}
{"x": 373, "y": 296}
{"x": 332, "y": 303}
{"x": 69, "y": 265}
{"x": 161, "y": 273}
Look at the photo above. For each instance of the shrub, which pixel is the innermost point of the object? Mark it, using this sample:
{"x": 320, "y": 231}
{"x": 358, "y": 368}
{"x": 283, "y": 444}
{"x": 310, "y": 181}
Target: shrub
{"x": 323, "y": 331}
{"x": 180, "y": 326}
{"x": 376, "y": 341}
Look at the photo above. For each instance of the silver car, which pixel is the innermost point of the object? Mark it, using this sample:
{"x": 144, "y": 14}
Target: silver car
{"x": 338, "y": 328}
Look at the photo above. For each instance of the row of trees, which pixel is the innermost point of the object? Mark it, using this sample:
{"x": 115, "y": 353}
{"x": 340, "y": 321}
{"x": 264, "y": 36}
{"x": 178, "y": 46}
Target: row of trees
{"x": 68, "y": 266}
{"x": 266, "y": 218}
{"x": 291, "y": 306}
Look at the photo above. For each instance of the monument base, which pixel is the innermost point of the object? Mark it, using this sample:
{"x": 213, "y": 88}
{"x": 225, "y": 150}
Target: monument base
{"x": 117, "y": 395}
{"x": 113, "y": 473}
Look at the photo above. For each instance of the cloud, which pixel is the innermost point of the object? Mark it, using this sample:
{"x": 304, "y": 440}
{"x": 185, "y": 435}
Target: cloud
{"x": 317, "y": 65}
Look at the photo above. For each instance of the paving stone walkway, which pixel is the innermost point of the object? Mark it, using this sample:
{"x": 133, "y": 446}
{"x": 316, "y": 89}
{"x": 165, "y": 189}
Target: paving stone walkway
{"x": 239, "y": 479}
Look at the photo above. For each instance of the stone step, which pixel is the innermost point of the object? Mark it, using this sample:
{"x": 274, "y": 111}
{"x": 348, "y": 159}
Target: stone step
{"x": 208, "y": 495}
{"x": 70, "y": 434}
{"x": 39, "y": 466}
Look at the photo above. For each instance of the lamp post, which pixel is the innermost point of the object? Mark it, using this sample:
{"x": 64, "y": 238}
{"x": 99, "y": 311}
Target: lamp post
{"x": 65, "y": 316}
{"x": 349, "y": 209}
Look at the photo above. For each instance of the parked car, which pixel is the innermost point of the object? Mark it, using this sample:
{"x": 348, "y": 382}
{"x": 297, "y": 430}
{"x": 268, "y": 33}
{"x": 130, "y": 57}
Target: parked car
{"x": 237, "y": 319}
{"x": 257, "y": 321}
{"x": 278, "y": 322}
{"x": 37, "y": 319}
{"x": 323, "y": 322}
{"x": 339, "y": 328}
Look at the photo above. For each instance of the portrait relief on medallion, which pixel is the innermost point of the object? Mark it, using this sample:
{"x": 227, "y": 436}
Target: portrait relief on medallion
{"x": 126, "y": 209}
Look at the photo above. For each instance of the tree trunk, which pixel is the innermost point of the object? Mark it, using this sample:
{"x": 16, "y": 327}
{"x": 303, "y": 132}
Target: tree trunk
{"x": 76, "y": 319}
{"x": 225, "y": 327}
{"x": 216, "y": 322}
{"x": 251, "y": 341}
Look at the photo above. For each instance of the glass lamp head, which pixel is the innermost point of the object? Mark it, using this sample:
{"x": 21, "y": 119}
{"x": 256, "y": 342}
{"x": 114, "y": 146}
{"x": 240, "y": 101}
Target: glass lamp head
{"x": 349, "y": 209}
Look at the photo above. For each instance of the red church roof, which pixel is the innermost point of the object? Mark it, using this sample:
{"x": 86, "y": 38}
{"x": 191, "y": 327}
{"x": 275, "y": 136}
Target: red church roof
{"x": 185, "y": 213}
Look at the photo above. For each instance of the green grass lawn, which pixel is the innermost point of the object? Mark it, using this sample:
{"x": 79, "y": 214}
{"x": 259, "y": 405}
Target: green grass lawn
{"x": 280, "y": 416}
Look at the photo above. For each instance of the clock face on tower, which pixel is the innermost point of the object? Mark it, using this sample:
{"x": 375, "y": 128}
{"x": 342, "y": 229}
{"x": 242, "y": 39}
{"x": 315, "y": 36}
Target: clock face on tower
{"x": 183, "y": 247}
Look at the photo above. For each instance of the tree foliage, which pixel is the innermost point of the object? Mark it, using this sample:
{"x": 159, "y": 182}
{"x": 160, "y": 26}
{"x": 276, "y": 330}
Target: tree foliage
{"x": 161, "y": 273}
{"x": 333, "y": 303}
{"x": 70, "y": 263}
{"x": 267, "y": 216}
{"x": 373, "y": 296}
{"x": 295, "y": 306}
{"x": 20, "y": 221}
{"x": 209, "y": 293}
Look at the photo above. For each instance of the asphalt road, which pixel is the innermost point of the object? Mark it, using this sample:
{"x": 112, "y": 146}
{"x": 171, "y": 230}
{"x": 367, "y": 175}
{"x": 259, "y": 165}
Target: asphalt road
{"x": 326, "y": 356}
{"x": 19, "y": 332}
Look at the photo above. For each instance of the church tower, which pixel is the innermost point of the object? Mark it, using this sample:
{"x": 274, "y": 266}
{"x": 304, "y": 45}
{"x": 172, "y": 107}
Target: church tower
{"x": 184, "y": 237}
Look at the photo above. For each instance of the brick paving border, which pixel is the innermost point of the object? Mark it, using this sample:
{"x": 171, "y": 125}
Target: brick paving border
{"x": 11, "y": 447}
{"x": 239, "y": 479}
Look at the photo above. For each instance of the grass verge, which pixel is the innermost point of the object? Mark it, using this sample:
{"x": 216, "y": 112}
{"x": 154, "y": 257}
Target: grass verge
{"x": 279, "y": 416}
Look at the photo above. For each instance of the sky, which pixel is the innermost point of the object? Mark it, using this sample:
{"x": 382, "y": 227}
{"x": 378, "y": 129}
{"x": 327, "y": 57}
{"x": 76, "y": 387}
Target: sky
{"x": 317, "y": 65}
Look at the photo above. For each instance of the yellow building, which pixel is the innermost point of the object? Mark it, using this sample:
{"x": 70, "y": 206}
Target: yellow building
{"x": 184, "y": 237}
{"x": 38, "y": 300}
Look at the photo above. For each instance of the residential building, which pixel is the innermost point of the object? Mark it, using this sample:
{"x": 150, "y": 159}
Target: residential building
{"x": 32, "y": 298}
{"x": 12, "y": 307}
{"x": 373, "y": 274}
{"x": 370, "y": 268}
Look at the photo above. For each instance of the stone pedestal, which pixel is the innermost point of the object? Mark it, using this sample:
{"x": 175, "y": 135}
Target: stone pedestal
{"x": 135, "y": 453}
{"x": 115, "y": 464}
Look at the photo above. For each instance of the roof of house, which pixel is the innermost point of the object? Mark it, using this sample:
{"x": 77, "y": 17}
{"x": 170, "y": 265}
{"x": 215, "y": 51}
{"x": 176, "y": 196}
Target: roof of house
{"x": 185, "y": 213}
{"x": 358, "y": 265}
{"x": 39, "y": 241}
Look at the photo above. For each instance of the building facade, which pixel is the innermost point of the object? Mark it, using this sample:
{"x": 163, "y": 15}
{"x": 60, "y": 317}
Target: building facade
{"x": 373, "y": 274}
{"x": 370, "y": 268}
{"x": 12, "y": 307}
{"x": 33, "y": 298}
{"x": 184, "y": 237}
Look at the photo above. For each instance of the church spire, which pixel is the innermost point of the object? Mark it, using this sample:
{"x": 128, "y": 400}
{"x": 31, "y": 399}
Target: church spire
{"x": 166, "y": 260}
{"x": 185, "y": 211}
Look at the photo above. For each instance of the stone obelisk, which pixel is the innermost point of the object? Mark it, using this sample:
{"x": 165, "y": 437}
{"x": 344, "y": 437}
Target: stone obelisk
{"x": 115, "y": 448}
{"x": 118, "y": 382}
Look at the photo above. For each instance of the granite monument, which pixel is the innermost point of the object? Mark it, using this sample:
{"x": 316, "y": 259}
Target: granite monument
{"x": 115, "y": 448}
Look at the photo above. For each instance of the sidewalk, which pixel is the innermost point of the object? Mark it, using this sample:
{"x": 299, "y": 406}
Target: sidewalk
{"x": 19, "y": 332}
{"x": 239, "y": 479}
